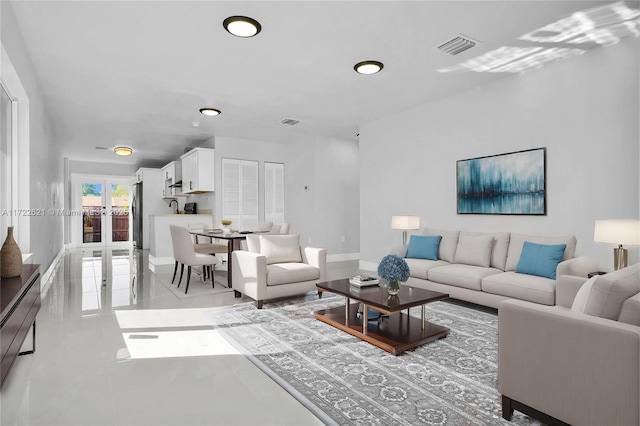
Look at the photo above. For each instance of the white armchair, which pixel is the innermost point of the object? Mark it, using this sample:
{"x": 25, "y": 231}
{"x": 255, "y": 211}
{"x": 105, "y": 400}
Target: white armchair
{"x": 276, "y": 266}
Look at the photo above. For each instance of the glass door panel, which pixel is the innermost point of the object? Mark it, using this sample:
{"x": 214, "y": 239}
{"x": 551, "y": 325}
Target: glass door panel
{"x": 120, "y": 208}
{"x": 106, "y": 207}
{"x": 92, "y": 207}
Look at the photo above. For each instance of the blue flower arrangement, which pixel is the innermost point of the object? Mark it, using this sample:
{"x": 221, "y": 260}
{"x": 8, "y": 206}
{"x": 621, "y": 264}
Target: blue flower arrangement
{"x": 393, "y": 268}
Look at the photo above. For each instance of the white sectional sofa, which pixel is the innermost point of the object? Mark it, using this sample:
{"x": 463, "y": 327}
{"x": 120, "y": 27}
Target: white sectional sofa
{"x": 485, "y": 268}
{"x": 577, "y": 362}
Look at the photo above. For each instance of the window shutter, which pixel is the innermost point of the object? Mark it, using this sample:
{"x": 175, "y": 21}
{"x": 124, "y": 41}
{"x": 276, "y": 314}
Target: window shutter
{"x": 240, "y": 193}
{"x": 274, "y": 192}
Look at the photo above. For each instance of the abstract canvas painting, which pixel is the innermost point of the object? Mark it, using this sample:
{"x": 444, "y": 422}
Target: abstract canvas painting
{"x": 509, "y": 184}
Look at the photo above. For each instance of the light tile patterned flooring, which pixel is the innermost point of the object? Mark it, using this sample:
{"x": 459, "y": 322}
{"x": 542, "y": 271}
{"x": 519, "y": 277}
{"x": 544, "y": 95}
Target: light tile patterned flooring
{"x": 99, "y": 360}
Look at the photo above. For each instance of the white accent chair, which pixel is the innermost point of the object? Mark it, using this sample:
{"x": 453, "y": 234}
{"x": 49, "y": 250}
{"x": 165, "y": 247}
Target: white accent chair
{"x": 276, "y": 266}
{"x": 185, "y": 254}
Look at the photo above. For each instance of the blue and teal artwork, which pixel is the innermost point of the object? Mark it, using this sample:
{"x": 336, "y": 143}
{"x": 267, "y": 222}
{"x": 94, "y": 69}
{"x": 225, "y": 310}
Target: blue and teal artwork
{"x": 510, "y": 184}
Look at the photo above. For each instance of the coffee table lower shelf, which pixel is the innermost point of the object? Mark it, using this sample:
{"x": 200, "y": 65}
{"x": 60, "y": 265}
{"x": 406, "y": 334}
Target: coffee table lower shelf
{"x": 395, "y": 334}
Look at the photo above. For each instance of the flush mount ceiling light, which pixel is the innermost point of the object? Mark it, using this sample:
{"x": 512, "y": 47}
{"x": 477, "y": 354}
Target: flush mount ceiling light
{"x": 210, "y": 111}
{"x": 242, "y": 26}
{"x": 368, "y": 67}
{"x": 123, "y": 150}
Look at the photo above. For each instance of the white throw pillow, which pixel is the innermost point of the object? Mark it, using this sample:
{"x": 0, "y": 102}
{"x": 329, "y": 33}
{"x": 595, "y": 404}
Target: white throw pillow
{"x": 474, "y": 250}
{"x": 447, "y": 248}
{"x": 582, "y": 296}
{"x": 280, "y": 248}
{"x": 253, "y": 243}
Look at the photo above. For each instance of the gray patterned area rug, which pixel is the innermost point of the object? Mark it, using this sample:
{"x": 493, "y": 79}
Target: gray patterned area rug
{"x": 452, "y": 381}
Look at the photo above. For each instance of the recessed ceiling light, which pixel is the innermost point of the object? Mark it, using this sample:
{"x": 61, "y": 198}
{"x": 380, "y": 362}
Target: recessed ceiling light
{"x": 242, "y": 26}
{"x": 368, "y": 67}
{"x": 123, "y": 150}
{"x": 210, "y": 111}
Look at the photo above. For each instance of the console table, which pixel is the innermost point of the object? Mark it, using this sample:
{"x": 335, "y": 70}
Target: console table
{"x": 19, "y": 304}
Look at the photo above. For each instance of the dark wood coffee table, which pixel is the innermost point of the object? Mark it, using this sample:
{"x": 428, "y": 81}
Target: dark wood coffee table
{"x": 395, "y": 334}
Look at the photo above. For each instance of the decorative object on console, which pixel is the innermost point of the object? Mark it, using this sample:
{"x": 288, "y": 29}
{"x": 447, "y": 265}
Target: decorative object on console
{"x": 11, "y": 263}
{"x": 395, "y": 269}
{"x": 618, "y": 231}
{"x": 405, "y": 223}
{"x": 510, "y": 184}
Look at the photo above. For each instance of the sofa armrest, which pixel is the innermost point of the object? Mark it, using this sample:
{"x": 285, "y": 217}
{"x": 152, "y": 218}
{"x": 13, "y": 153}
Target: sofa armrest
{"x": 567, "y": 287}
{"x": 316, "y": 257}
{"x": 577, "y": 368}
{"x": 249, "y": 273}
{"x": 578, "y": 266}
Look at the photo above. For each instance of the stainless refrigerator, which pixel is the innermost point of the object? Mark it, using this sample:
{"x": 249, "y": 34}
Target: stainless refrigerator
{"x": 136, "y": 212}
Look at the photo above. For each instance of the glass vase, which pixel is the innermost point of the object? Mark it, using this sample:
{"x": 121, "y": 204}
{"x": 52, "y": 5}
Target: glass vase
{"x": 393, "y": 287}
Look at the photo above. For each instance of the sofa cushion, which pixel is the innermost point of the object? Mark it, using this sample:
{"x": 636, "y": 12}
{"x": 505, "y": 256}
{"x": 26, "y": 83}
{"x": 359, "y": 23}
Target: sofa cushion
{"x": 630, "y": 313}
{"x": 521, "y": 286}
{"x": 459, "y": 275}
{"x": 500, "y": 247}
{"x": 517, "y": 241}
{"x": 582, "y": 296}
{"x": 540, "y": 259}
{"x": 424, "y": 247}
{"x": 285, "y": 273}
{"x": 280, "y": 248}
{"x": 474, "y": 250}
{"x": 419, "y": 268}
{"x": 448, "y": 244}
{"x": 611, "y": 290}
{"x": 253, "y": 243}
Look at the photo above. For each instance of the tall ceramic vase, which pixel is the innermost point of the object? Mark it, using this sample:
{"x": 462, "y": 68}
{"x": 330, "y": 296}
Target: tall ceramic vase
{"x": 10, "y": 257}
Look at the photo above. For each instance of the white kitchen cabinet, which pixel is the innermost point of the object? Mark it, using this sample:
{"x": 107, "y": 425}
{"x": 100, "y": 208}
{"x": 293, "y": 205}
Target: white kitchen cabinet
{"x": 197, "y": 171}
{"x": 170, "y": 180}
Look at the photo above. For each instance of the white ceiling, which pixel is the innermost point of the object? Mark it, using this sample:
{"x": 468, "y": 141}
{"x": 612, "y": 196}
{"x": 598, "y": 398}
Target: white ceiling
{"x": 136, "y": 72}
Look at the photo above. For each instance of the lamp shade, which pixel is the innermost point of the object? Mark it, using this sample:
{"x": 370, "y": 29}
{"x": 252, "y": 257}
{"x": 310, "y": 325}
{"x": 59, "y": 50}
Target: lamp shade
{"x": 405, "y": 222}
{"x": 618, "y": 231}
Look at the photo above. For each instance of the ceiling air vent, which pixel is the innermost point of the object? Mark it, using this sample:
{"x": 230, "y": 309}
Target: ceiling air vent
{"x": 457, "y": 45}
{"x": 101, "y": 148}
{"x": 290, "y": 121}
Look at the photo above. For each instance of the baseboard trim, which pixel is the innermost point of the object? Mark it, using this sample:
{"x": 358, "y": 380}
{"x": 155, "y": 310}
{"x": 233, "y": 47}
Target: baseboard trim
{"x": 342, "y": 257}
{"x": 368, "y": 266}
{"x": 47, "y": 277}
{"x": 153, "y": 260}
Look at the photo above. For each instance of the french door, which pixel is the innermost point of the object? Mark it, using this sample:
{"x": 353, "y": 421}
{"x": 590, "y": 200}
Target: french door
{"x": 103, "y": 211}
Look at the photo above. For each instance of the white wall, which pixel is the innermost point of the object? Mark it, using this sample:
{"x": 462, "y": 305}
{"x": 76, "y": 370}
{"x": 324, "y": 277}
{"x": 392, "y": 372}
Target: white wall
{"x": 45, "y": 187}
{"x": 324, "y": 212}
{"x": 584, "y": 110}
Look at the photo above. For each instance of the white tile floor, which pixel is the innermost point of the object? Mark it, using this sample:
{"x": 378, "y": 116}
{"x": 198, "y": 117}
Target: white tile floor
{"x": 116, "y": 347}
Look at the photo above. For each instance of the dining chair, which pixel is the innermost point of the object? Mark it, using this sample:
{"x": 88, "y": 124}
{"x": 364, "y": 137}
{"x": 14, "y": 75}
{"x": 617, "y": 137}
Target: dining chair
{"x": 205, "y": 248}
{"x": 284, "y": 228}
{"x": 184, "y": 253}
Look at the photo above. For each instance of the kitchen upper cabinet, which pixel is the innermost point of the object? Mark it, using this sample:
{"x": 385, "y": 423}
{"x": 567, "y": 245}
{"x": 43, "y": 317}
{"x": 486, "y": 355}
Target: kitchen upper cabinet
{"x": 170, "y": 177}
{"x": 197, "y": 171}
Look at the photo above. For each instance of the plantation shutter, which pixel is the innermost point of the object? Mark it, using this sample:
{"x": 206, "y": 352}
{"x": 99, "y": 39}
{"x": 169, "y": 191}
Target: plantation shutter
{"x": 240, "y": 193}
{"x": 274, "y": 192}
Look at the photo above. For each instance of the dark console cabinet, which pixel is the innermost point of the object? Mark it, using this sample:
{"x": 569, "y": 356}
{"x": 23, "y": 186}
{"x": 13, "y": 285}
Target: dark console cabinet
{"x": 19, "y": 304}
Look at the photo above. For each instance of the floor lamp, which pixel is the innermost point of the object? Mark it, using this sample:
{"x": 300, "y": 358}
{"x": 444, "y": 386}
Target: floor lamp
{"x": 618, "y": 231}
{"x": 405, "y": 223}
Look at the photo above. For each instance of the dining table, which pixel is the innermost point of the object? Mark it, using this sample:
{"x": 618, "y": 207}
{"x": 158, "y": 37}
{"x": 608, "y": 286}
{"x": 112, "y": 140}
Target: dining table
{"x": 233, "y": 242}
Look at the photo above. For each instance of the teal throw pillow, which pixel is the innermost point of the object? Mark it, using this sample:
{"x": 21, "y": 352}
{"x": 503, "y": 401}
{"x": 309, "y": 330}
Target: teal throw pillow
{"x": 540, "y": 259}
{"x": 424, "y": 247}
